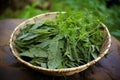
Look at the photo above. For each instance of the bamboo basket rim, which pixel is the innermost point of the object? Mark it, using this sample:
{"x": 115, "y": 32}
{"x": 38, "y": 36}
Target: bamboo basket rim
{"x": 64, "y": 70}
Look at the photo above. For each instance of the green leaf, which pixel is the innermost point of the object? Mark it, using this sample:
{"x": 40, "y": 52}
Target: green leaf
{"x": 44, "y": 65}
{"x": 54, "y": 56}
{"x": 29, "y": 37}
{"x": 94, "y": 55}
{"x": 22, "y": 36}
{"x": 45, "y": 43}
{"x": 35, "y": 26}
{"x": 39, "y": 61}
{"x": 35, "y": 52}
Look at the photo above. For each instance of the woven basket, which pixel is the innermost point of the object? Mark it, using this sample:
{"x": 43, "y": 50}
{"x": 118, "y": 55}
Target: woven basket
{"x": 57, "y": 72}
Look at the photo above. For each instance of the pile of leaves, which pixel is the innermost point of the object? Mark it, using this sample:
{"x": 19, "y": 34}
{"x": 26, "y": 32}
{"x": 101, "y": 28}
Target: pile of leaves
{"x": 70, "y": 40}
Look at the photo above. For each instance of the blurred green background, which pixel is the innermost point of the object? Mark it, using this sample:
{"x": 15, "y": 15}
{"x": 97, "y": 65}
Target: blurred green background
{"x": 108, "y": 10}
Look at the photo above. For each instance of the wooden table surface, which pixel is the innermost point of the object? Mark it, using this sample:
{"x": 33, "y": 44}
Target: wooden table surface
{"x": 108, "y": 68}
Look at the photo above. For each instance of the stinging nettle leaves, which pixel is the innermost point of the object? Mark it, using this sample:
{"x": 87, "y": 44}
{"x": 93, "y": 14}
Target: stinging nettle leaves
{"x": 70, "y": 40}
